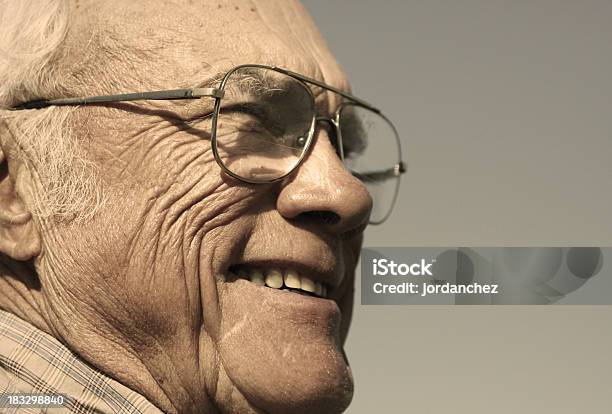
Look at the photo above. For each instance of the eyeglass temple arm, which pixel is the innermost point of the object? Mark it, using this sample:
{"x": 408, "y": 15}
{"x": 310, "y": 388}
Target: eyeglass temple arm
{"x": 193, "y": 93}
{"x": 380, "y": 175}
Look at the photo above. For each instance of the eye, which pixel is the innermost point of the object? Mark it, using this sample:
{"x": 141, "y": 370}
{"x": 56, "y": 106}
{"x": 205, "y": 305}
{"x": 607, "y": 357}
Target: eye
{"x": 258, "y": 117}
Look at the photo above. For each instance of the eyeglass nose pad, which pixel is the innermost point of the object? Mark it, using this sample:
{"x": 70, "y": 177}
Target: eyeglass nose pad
{"x": 301, "y": 141}
{"x": 332, "y": 134}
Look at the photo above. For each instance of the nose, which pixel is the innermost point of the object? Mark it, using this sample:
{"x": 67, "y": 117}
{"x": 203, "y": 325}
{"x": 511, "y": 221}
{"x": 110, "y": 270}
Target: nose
{"x": 324, "y": 192}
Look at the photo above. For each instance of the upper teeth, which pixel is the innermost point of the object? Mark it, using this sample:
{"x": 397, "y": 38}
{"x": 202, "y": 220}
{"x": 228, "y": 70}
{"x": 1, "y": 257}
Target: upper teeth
{"x": 277, "y": 279}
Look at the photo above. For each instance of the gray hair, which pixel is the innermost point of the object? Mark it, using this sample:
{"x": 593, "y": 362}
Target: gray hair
{"x": 31, "y": 33}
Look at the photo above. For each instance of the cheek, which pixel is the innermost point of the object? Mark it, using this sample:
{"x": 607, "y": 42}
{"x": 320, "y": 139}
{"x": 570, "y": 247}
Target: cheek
{"x": 168, "y": 215}
{"x": 173, "y": 241}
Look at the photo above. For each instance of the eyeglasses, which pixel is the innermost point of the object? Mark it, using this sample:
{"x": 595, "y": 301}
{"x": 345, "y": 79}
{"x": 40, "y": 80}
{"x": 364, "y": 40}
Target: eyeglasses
{"x": 263, "y": 124}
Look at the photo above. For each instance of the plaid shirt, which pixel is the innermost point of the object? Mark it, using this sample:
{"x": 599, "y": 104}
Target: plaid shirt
{"x": 33, "y": 362}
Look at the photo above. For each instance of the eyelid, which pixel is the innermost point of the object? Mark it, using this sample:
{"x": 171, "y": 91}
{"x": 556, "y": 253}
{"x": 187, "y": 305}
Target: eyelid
{"x": 250, "y": 108}
{"x": 229, "y": 108}
{"x": 256, "y": 110}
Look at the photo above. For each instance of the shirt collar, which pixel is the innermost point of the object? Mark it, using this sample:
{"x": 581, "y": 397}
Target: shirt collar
{"x": 34, "y": 362}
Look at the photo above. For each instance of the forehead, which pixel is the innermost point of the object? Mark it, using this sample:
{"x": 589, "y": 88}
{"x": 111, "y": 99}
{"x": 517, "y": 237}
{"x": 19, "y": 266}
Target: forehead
{"x": 169, "y": 44}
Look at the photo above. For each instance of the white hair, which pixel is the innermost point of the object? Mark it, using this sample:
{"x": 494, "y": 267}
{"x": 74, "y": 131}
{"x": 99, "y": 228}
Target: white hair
{"x": 31, "y": 33}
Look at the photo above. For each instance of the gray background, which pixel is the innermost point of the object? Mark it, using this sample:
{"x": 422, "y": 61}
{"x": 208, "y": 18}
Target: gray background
{"x": 505, "y": 108}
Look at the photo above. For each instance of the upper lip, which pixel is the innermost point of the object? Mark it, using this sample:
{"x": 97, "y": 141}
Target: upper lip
{"x": 323, "y": 272}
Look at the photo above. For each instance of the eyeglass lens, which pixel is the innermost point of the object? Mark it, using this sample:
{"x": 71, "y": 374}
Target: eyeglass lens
{"x": 264, "y": 124}
{"x": 370, "y": 148}
{"x": 264, "y": 128}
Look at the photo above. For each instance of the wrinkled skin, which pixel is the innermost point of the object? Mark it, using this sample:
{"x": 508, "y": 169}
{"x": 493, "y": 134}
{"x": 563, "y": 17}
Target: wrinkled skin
{"x": 141, "y": 291}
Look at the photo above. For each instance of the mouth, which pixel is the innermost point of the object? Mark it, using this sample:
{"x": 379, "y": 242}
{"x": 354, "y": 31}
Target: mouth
{"x": 279, "y": 278}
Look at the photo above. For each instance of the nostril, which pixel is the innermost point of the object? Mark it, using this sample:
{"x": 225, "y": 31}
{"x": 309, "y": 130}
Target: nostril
{"x": 320, "y": 216}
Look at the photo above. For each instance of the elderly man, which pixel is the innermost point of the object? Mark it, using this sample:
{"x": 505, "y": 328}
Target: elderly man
{"x": 184, "y": 238}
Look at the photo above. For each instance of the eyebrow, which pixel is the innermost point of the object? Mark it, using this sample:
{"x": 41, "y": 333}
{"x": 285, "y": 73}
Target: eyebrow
{"x": 212, "y": 81}
{"x": 248, "y": 81}
{"x": 215, "y": 80}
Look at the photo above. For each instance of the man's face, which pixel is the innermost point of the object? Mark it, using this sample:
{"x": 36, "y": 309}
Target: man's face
{"x": 146, "y": 290}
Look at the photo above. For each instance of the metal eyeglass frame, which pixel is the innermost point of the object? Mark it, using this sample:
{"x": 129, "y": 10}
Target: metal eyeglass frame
{"x": 218, "y": 93}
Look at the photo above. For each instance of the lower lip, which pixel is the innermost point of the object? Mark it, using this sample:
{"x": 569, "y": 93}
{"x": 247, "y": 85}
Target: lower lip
{"x": 304, "y": 304}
